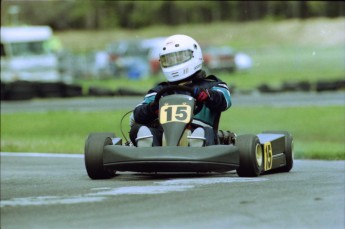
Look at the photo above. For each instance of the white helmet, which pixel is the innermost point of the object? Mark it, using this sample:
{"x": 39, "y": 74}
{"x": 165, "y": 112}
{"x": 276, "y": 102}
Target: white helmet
{"x": 180, "y": 57}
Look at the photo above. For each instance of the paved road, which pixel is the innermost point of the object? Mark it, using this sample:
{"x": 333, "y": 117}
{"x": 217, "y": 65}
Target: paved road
{"x": 127, "y": 103}
{"x": 53, "y": 191}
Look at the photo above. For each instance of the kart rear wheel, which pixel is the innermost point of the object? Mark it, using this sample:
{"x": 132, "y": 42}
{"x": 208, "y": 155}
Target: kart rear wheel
{"x": 94, "y": 155}
{"x": 288, "y": 151}
{"x": 251, "y": 155}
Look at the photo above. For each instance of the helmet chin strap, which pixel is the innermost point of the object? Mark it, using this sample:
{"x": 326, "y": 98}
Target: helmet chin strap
{"x": 199, "y": 75}
{"x": 185, "y": 82}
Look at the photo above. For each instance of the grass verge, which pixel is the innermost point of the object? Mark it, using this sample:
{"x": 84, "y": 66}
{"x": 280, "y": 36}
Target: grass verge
{"x": 318, "y": 131}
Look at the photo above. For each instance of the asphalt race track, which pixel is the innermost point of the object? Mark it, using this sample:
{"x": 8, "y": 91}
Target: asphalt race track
{"x": 53, "y": 191}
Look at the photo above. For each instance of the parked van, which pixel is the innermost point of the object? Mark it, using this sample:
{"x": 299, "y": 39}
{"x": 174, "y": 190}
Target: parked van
{"x": 29, "y": 66}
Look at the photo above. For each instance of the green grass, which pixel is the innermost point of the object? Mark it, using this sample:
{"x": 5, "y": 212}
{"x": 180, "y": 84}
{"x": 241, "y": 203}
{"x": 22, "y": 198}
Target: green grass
{"x": 291, "y": 64}
{"x": 318, "y": 132}
{"x": 319, "y": 32}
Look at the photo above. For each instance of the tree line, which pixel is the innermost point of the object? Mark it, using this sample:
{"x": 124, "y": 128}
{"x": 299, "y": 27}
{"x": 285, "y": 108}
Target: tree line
{"x": 94, "y": 14}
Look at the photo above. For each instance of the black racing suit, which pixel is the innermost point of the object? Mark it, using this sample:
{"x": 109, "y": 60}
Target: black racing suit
{"x": 208, "y": 117}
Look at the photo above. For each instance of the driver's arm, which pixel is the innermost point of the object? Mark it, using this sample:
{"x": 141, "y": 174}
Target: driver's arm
{"x": 219, "y": 99}
{"x": 146, "y": 111}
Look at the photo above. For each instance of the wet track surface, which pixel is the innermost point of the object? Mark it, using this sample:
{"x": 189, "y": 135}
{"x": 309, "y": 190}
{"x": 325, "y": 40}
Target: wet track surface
{"x": 54, "y": 191}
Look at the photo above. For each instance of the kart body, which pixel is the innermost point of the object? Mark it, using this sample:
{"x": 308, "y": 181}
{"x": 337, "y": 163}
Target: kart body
{"x": 250, "y": 155}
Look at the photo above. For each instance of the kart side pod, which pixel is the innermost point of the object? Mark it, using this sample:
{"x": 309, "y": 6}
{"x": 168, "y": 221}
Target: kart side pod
{"x": 266, "y": 152}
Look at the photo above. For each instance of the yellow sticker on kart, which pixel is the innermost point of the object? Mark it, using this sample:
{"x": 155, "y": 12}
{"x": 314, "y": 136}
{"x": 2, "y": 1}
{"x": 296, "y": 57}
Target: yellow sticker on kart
{"x": 268, "y": 156}
{"x": 175, "y": 113}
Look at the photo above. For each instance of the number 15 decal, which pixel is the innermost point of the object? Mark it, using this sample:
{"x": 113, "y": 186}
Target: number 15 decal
{"x": 268, "y": 154}
{"x": 175, "y": 113}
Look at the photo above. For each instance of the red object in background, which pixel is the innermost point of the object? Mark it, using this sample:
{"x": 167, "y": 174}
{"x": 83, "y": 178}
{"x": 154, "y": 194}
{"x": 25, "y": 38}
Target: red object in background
{"x": 155, "y": 66}
{"x": 220, "y": 58}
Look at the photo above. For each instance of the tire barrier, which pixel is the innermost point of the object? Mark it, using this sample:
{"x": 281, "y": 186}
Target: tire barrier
{"x": 304, "y": 86}
{"x": 330, "y": 85}
{"x": 24, "y": 90}
{"x": 20, "y": 90}
{"x": 99, "y": 91}
{"x": 128, "y": 92}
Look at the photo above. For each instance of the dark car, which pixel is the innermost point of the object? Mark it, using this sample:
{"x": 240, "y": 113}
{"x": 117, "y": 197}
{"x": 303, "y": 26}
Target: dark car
{"x": 219, "y": 58}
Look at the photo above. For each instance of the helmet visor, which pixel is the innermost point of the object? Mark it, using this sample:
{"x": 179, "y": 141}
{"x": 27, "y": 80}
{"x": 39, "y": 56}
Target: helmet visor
{"x": 175, "y": 58}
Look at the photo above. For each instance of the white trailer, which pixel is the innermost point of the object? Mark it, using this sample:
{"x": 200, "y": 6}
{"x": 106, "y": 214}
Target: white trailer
{"x": 25, "y": 55}
{"x": 28, "y": 64}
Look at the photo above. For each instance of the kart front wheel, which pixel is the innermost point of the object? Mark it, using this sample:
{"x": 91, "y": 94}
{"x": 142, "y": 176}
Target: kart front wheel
{"x": 251, "y": 155}
{"x": 94, "y": 155}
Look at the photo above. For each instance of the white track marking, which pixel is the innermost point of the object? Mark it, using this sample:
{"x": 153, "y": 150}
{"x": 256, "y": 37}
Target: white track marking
{"x": 207, "y": 181}
{"x": 32, "y": 154}
{"x": 104, "y": 193}
{"x": 49, "y": 200}
{"x": 142, "y": 190}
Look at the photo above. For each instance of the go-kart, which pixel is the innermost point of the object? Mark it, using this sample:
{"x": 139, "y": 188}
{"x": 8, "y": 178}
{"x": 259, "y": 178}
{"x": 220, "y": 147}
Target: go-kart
{"x": 250, "y": 155}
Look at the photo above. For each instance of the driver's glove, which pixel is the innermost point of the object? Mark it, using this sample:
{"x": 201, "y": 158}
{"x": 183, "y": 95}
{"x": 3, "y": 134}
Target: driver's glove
{"x": 201, "y": 94}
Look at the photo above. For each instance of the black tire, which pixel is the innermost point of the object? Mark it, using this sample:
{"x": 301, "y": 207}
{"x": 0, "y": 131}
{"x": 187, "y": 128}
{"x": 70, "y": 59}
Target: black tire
{"x": 19, "y": 90}
{"x": 49, "y": 90}
{"x": 3, "y": 90}
{"x": 93, "y": 155}
{"x": 288, "y": 151}
{"x": 72, "y": 90}
{"x": 99, "y": 91}
{"x": 251, "y": 155}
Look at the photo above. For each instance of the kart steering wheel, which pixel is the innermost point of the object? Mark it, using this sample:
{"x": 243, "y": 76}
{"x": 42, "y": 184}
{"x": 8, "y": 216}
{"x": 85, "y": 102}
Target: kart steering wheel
{"x": 170, "y": 89}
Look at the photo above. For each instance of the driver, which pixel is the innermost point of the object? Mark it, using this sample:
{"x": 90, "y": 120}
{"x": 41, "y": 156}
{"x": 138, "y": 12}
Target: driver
{"x": 181, "y": 62}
